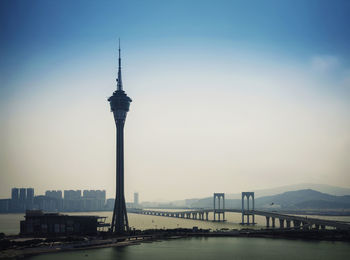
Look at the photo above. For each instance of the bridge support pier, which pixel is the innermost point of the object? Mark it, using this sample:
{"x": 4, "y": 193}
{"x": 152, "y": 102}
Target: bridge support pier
{"x": 296, "y": 224}
{"x": 206, "y": 216}
{"x": 305, "y": 225}
{"x": 281, "y": 222}
{"x": 273, "y": 222}
{"x": 267, "y": 221}
{"x": 288, "y": 223}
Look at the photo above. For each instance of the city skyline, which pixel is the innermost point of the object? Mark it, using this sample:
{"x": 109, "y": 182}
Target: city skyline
{"x": 224, "y": 102}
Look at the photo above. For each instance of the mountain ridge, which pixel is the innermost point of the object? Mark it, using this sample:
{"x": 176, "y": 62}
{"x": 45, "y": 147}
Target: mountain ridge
{"x": 323, "y": 188}
{"x": 302, "y": 199}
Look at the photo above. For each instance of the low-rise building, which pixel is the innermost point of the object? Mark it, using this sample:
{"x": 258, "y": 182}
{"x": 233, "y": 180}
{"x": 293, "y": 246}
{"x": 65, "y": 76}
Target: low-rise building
{"x": 39, "y": 223}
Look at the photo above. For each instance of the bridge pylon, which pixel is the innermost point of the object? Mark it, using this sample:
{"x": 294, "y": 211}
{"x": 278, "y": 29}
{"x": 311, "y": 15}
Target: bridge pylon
{"x": 219, "y": 209}
{"x": 248, "y": 212}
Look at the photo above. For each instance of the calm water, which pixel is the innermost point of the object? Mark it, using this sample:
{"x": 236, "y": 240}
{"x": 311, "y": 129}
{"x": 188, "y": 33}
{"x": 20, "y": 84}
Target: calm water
{"x": 215, "y": 248}
{"x": 9, "y": 223}
{"x": 197, "y": 248}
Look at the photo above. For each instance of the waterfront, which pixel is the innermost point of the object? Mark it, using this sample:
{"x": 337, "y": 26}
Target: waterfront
{"x": 9, "y": 223}
{"x": 197, "y": 247}
{"x": 214, "y": 247}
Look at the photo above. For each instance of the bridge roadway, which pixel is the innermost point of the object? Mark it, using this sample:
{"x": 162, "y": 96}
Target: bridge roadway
{"x": 296, "y": 222}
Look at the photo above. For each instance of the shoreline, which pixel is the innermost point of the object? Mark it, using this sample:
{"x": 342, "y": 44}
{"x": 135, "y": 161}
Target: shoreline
{"x": 56, "y": 245}
{"x": 294, "y": 212}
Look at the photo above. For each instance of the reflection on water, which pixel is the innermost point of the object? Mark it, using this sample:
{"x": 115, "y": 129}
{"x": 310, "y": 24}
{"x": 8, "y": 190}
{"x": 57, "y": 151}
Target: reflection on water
{"x": 216, "y": 248}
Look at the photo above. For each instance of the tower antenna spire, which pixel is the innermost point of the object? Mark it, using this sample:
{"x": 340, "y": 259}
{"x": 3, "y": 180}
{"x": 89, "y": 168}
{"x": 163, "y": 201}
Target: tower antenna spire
{"x": 119, "y": 80}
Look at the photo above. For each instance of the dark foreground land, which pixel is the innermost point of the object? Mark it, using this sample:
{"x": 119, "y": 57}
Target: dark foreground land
{"x": 19, "y": 246}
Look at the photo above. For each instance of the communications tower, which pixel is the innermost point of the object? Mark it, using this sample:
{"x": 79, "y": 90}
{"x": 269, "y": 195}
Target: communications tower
{"x": 120, "y": 104}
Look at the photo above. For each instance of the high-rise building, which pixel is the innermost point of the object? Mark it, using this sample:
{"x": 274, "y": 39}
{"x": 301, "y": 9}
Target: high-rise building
{"x": 72, "y": 200}
{"x": 120, "y": 104}
{"x": 30, "y": 198}
{"x": 14, "y": 203}
{"x": 94, "y": 200}
{"x": 22, "y": 194}
{"x": 57, "y": 194}
{"x": 136, "y": 199}
{"x": 30, "y": 193}
{"x": 72, "y": 194}
{"x": 15, "y": 194}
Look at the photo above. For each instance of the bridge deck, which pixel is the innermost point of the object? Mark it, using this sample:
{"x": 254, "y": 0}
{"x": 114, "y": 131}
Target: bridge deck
{"x": 188, "y": 213}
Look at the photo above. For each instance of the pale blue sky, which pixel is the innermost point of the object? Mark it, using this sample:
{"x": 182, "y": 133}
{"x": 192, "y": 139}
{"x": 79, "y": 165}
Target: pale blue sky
{"x": 255, "y": 93}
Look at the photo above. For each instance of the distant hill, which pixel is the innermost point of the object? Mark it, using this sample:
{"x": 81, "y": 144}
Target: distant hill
{"x": 291, "y": 200}
{"x": 299, "y": 196}
{"x": 304, "y": 199}
{"x": 323, "y": 188}
{"x": 332, "y": 190}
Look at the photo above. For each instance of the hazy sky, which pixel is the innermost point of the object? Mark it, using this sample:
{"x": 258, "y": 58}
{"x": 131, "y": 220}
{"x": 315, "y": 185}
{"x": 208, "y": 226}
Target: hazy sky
{"x": 228, "y": 96}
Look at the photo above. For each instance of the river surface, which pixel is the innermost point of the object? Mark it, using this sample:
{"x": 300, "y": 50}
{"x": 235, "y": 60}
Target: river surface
{"x": 9, "y": 223}
{"x": 215, "y": 248}
{"x": 197, "y": 248}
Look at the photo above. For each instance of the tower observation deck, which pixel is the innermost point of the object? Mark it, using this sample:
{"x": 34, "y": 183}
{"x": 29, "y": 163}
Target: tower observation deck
{"x": 120, "y": 104}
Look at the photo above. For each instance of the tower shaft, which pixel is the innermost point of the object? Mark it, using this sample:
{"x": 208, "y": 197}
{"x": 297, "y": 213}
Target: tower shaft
{"x": 120, "y": 218}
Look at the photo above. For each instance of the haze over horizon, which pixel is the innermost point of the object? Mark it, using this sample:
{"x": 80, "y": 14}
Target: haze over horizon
{"x": 227, "y": 96}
